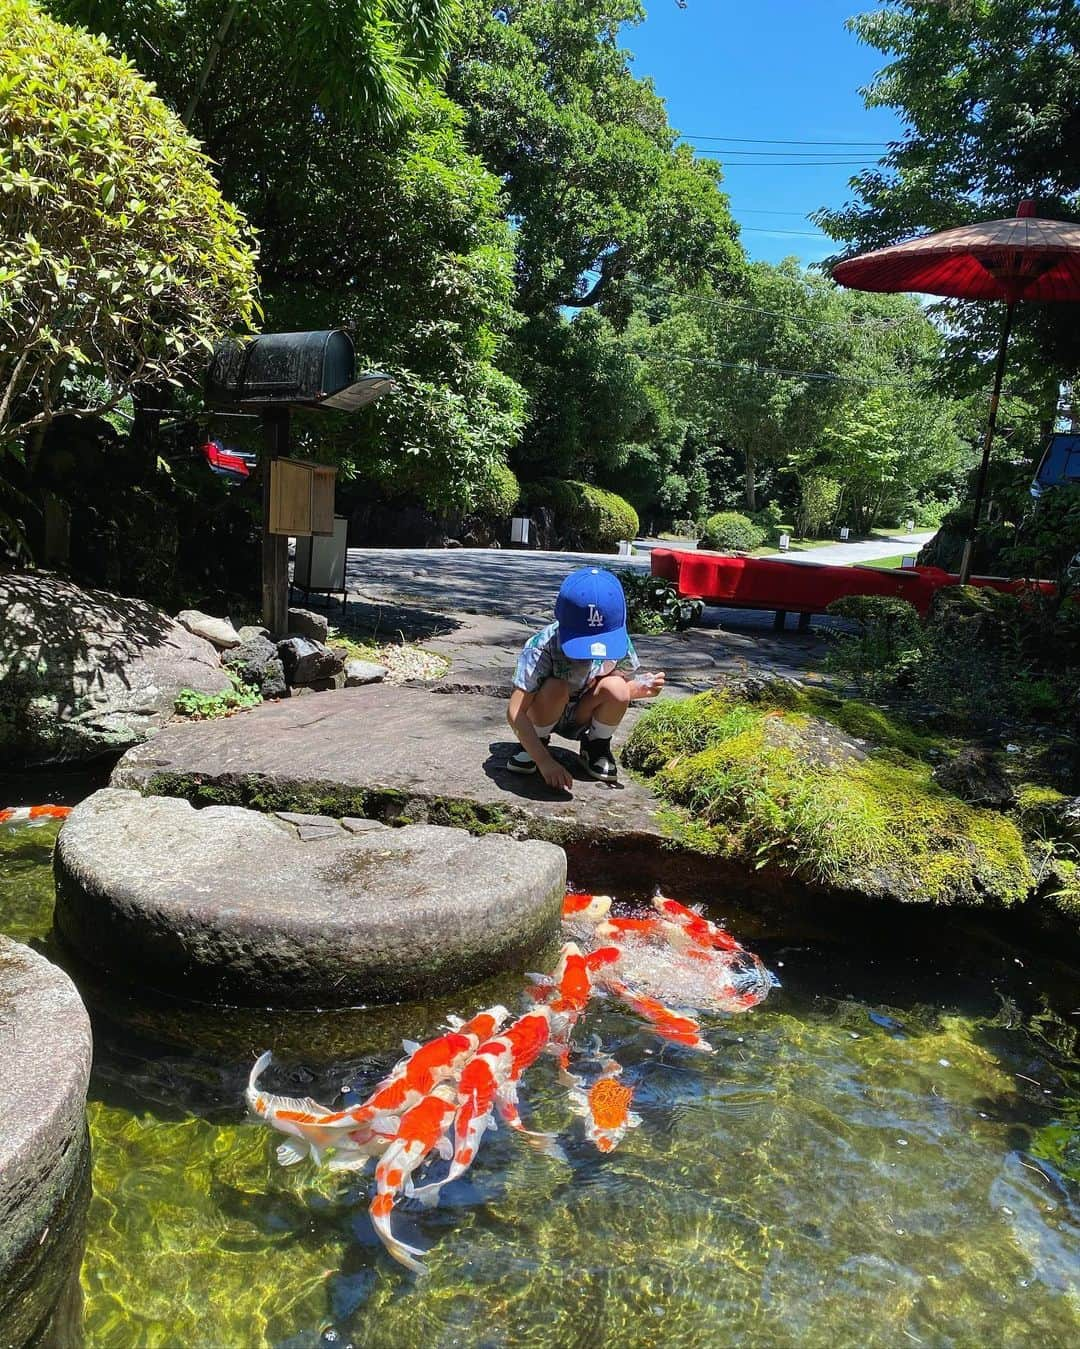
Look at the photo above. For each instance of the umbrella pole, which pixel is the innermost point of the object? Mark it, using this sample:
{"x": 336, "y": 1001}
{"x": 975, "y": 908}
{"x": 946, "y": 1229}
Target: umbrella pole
{"x": 980, "y": 481}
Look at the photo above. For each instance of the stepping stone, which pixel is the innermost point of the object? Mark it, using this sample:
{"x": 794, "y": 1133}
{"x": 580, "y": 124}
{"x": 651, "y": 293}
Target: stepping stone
{"x": 44, "y": 1148}
{"x": 227, "y": 906}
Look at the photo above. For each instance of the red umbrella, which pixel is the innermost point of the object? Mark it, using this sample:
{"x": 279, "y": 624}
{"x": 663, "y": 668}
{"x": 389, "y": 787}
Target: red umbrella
{"x": 1025, "y": 258}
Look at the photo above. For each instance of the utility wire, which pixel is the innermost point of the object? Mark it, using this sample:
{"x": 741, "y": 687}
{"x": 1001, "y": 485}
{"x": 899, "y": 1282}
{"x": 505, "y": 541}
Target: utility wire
{"x": 754, "y": 140}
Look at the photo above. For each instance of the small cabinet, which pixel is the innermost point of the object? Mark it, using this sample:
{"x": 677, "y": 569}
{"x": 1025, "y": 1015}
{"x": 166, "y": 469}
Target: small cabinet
{"x": 301, "y": 498}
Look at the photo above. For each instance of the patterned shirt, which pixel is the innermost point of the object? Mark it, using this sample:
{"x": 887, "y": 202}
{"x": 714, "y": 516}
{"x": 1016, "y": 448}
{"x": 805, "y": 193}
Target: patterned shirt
{"x": 542, "y": 658}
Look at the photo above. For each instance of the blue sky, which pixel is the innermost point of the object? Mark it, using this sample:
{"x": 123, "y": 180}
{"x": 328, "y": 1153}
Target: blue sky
{"x": 768, "y": 70}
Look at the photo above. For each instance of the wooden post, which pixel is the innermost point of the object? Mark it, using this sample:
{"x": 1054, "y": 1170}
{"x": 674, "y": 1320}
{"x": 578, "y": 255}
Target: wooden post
{"x": 275, "y": 547}
{"x": 988, "y": 440}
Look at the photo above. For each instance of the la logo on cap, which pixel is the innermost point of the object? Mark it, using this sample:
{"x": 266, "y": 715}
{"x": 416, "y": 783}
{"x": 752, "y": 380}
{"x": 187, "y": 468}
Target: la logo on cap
{"x": 596, "y": 618}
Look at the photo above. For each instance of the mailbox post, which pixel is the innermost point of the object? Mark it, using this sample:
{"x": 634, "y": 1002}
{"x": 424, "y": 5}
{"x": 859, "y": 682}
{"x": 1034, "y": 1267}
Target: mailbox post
{"x": 271, "y": 374}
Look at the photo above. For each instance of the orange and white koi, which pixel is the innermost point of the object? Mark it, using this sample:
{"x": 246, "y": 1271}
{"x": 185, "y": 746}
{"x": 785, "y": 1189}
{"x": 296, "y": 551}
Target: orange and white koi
{"x": 415, "y": 1076}
{"x": 568, "y": 989}
{"x": 669, "y": 1025}
{"x": 424, "y": 1129}
{"x": 606, "y": 1108}
{"x": 487, "y": 1085}
{"x": 585, "y": 908}
{"x": 34, "y": 816}
{"x": 698, "y": 929}
{"x": 303, "y": 1119}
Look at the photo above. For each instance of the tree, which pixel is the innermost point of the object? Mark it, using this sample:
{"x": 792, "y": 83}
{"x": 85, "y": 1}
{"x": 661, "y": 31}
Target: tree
{"x": 358, "y": 62}
{"x": 386, "y": 223}
{"x": 120, "y": 262}
{"x": 990, "y": 94}
{"x": 595, "y": 184}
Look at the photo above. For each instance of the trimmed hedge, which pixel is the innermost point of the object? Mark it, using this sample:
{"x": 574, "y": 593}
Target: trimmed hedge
{"x": 729, "y": 531}
{"x": 496, "y": 496}
{"x": 595, "y": 519}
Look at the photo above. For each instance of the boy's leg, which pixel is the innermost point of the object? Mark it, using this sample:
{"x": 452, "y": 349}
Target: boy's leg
{"x": 544, "y": 712}
{"x": 601, "y": 711}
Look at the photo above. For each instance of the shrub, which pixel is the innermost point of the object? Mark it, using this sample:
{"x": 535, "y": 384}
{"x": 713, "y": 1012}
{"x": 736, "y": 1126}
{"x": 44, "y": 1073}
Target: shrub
{"x": 591, "y": 518}
{"x": 495, "y": 497}
{"x": 887, "y": 643}
{"x": 818, "y": 497}
{"x": 653, "y": 604}
{"x": 728, "y": 531}
{"x": 120, "y": 261}
{"x": 198, "y": 706}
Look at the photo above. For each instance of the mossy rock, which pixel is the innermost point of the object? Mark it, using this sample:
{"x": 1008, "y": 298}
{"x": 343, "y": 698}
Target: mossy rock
{"x": 779, "y": 786}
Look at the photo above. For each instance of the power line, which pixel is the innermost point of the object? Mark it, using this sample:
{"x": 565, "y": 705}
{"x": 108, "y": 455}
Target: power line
{"x": 761, "y": 210}
{"x": 752, "y": 140}
{"x": 801, "y": 234}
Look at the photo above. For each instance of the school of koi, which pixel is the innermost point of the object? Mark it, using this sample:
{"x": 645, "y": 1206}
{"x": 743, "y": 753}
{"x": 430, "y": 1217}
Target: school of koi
{"x": 444, "y": 1095}
{"x": 438, "y": 1101}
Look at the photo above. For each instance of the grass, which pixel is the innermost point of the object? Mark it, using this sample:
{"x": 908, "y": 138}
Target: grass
{"x": 748, "y": 782}
{"x": 890, "y": 563}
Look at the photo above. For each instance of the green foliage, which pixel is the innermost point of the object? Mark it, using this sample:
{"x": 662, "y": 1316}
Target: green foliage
{"x": 208, "y": 706}
{"x": 731, "y": 532}
{"x": 818, "y": 498}
{"x": 748, "y": 775}
{"x": 596, "y": 519}
{"x": 987, "y": 93}
{"x": 496, "y": 495}
{"x": 653, "y": 604}
{"x": 120, "y": 261}
{"x": 887, "y": 643}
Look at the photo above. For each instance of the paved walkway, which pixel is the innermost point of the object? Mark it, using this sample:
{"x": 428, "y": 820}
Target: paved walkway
{"x": 866, "y": 550}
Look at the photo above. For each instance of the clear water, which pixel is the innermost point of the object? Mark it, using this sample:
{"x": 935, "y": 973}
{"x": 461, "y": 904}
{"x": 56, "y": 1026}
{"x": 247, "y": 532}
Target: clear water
{"x": 825, "y": 1178}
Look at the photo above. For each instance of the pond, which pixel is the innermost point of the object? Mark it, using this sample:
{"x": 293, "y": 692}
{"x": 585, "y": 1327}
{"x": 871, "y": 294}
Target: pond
{"x": 882, "y": 1153}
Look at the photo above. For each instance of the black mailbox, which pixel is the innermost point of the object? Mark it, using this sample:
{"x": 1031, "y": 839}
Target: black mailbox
{"x": 292, "y": 370}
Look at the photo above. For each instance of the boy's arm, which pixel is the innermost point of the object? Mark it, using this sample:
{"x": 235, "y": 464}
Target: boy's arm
{"x": 517, "y": 714}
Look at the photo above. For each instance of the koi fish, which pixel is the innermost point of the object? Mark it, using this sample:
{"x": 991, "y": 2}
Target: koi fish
{"x": 305, "y": 1120}
{"x": 606, "y": 1108}
{"x": 487, "y": 1085}
{"x": 673, "y": 1026}
{"x": 590, "y": 908}
{"x": 416, "y": 1075}
{"x": 568, "y": 989}
{"x": 424, "y": 1129}
{"x": 698, "y": 929}
{"x": 615, "y": 929}
{"x": 34, "y": 816}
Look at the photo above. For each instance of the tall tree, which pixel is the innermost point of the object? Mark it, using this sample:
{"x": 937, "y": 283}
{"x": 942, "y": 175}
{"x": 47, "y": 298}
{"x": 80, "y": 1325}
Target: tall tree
{"x": 990, "y": 97}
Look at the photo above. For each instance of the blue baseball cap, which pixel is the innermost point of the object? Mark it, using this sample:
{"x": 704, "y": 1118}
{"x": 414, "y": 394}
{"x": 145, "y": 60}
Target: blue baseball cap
{"x": 591, "y": 613}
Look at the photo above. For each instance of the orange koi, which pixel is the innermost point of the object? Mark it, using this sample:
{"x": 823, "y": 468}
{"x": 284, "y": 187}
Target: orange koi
{"x": 426, "y": 1065}
{"x": 590, "y": 908}
{"x": 606, "y": 1108}
{"x": 424, "y": 1129}
{"x": 34, "y": 816}
{"x": 568, "y": 989}
{"x": 673, "y": 1026}
{"x": 310, "y": 1126}
{"x": 483, "y": 1087}
{"x": 697, "y": 928}
{"x": 612, "y": 929}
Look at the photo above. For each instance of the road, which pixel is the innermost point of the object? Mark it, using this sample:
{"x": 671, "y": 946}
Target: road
{"x": 867, "y": 550}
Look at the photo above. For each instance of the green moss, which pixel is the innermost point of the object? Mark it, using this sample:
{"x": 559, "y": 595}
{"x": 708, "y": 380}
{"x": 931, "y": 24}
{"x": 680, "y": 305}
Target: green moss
{"x": 743, "y": 784}
{"x": 1037, "y": 807}
{"x": 1066, "y": 899}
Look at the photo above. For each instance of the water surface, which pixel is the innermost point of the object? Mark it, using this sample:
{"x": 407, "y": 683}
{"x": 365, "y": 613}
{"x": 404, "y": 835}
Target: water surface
{"x": 883, "y": 1153}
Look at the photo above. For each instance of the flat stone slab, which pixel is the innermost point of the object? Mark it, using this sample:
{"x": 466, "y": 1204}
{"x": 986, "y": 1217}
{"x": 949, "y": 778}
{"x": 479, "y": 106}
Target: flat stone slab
{"x": 45, "y": 1050}
{"x": 403, "y": 754}
{"x": 233, "y": 906}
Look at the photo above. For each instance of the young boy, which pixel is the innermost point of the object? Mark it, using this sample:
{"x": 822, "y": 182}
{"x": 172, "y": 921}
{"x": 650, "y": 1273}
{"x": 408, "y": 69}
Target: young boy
{"x": 573, "y": 679}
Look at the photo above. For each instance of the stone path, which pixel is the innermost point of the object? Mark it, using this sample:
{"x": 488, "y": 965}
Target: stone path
{"x": 241, "y": 907}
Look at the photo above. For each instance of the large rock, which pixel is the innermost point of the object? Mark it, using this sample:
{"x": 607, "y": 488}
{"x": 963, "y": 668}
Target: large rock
{"x": 45, "y": 1051}
{"x": 219, "y": 631}
{"x": 306, "y": 623}
{"x": 257, "y": 663}
{"x": 306, "y": 661}
{"x": 230, "y": 905}
{"x": 84, "y": 672}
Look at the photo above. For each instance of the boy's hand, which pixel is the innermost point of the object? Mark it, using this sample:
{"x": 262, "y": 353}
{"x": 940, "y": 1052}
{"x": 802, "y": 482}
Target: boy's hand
{"x": 649, "y": 686}
{"x": 555, "y": 775}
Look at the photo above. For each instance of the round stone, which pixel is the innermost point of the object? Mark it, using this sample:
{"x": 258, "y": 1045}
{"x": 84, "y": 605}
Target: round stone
{"x": 232, "y": 906}
{"x": 45, "y": 1050}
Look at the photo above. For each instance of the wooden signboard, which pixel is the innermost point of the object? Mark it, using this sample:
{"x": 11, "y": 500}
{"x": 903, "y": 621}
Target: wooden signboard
{"x": 301, "y": 498}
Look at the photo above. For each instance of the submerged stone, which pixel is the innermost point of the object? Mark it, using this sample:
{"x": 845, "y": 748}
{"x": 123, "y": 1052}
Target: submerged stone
{"x": 226, "y": 905}
{"x": 45, "y": 1052}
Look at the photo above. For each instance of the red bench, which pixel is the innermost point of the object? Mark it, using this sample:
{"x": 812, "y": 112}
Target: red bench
{"x": 739, "y": 582}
